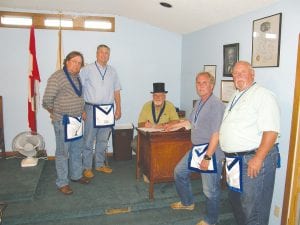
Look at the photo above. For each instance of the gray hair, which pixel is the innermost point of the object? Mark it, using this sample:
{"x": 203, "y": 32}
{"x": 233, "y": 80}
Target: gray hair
{"x": 246, "y": 64}
{"x": 103, "y": 46}
{"x": 210, "y": 77}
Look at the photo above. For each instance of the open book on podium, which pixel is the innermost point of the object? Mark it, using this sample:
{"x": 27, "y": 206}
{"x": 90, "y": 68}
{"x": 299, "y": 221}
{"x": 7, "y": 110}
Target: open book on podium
{"x": 152, "y": 129}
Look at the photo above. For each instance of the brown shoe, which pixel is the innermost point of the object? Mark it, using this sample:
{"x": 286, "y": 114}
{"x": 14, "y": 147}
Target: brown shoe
{"x": 202, "y": 222}
{"x": 88, "y": 173}
{"x": 104, "y": 169}
{"x": 82, "y": 180}
{"x": 178, "y": 205}
{"x": 66, "y": 190}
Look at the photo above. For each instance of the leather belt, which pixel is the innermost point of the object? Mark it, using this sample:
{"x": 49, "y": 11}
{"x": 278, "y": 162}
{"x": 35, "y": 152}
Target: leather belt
{"x": 252, "y": 152}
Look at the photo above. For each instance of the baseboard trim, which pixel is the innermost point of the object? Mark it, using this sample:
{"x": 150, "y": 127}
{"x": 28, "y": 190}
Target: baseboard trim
{"x": 7, "y": 154}
{"x": 14, "y": 154}
{"x": 109, "y": 154}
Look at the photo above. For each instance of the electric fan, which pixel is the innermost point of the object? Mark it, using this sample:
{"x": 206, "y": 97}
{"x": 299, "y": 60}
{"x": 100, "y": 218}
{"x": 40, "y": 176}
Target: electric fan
{"x": 28, "y": 144}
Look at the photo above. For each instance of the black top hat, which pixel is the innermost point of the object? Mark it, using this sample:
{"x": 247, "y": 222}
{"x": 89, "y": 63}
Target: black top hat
{"x": 159, "y": 88}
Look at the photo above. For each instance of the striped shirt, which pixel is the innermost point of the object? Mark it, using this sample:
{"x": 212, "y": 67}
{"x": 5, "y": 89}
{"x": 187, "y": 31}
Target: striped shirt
{"x": 60, "y": 96}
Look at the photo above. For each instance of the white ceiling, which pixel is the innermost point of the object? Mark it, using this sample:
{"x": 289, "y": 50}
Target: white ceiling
{"x": 184, "y": 17}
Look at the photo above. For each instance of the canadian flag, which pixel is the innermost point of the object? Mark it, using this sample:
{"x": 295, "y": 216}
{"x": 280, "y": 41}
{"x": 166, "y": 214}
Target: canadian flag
{"x": 33, "y": 83}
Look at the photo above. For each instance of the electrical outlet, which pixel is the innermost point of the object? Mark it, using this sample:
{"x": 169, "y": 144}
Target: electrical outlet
{"x": 277, "y": 211}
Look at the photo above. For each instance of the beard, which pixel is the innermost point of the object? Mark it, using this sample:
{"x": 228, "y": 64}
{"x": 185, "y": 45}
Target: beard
{"x": 158, "y": 103}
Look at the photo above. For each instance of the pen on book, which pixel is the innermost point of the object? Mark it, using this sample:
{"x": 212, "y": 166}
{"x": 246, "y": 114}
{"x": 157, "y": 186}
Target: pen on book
{"x": 148, "y": 123}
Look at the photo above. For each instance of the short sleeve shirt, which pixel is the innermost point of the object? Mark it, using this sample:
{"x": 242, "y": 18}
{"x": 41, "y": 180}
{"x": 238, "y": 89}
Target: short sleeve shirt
{"x": 207, "y": 122}
{"x": 99, "y": 86}
{"x": 169, "y": 113}
{"x": 255, "y": 111}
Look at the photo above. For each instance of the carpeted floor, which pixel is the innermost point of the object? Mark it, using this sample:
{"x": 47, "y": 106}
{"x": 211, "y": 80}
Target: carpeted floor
{"x": 16, "y": 183}
{"x": 43, "y": 204}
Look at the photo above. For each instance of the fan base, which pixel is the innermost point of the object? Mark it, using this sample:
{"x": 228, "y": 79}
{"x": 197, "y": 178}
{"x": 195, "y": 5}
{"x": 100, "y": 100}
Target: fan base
{"x": 29, "y": 162}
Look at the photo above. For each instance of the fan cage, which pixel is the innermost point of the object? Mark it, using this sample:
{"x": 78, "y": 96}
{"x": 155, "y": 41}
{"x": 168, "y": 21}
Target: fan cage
{"x": 36, "y": 140}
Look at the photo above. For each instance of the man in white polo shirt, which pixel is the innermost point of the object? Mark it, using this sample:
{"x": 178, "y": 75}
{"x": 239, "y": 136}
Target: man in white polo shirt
{"x": 248, "y": 136}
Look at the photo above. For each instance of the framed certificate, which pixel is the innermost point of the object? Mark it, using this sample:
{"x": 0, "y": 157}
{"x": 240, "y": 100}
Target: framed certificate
{"x": 211, "y": 69}
{"x": 266, "y": 41}
{"x": 227, "y": 90}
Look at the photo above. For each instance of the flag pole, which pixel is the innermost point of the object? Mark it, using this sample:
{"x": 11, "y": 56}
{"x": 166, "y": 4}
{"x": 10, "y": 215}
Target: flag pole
{"x": 59, "y": 42}
{"x": 59, "y": 50}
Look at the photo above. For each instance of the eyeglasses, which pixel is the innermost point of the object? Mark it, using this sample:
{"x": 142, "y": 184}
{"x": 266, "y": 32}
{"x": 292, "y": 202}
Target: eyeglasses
{"x": 76, "y": 62}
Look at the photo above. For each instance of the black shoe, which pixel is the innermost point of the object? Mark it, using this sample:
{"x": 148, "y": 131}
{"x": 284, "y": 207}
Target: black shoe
{"x": 82, "y": 180}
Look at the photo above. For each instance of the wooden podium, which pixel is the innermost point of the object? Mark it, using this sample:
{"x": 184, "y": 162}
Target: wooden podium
{"x": 158, "y": 153}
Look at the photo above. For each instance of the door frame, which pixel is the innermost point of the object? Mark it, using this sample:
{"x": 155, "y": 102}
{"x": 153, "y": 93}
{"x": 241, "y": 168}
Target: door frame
{"x": 290, "y": 213}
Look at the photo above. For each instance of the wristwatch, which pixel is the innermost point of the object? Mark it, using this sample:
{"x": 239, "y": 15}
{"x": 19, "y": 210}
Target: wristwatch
{"x": 207, "y": 157}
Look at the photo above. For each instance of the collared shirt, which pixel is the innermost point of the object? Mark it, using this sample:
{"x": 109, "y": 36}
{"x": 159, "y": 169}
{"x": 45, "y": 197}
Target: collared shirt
{"x": 208, "y": 122}
{"x": 99, "y": 88}
{"x": 168, "y": 115}
{"x": 255, "y": 111}
{"x": 60, "y": 96}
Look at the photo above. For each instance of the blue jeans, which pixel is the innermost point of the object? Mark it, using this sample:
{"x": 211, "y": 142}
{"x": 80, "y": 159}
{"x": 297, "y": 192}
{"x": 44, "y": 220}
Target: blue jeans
{"x": 252, "y": 206}
{"x": 210, "y": 184}
{"x": 68, "y": 158}
{"x": 92, "y": 134}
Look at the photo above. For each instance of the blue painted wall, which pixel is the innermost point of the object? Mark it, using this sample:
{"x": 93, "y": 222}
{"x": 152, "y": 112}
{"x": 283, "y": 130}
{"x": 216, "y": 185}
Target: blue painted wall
{"x": 206, "y": 47}
{"x": 142, "y": 54}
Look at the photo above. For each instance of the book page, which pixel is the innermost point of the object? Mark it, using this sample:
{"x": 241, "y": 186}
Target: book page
{"x": 150, "y": 129}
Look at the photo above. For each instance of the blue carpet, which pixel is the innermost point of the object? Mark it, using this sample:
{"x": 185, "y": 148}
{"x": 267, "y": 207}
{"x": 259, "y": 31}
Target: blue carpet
{"x": 118, "y": 190}
{"x": 17, "y": 183}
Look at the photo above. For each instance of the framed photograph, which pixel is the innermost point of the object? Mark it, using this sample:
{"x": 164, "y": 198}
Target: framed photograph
{"x": 211, "y": 69}
{"x": 227, "y": 90}
{"x": 266, "y": 34}
{"x": 230, "y": 57}
{"x": 194, "y": 102}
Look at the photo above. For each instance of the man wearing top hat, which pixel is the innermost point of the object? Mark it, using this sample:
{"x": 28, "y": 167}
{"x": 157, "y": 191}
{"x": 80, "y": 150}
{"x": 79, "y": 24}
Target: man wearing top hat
{"x": 159, "y": 111}
{"x": 156, "y": 113}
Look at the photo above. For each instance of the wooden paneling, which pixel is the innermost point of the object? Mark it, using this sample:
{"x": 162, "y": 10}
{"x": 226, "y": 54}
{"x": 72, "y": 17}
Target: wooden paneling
{"x": 78, "y": 21}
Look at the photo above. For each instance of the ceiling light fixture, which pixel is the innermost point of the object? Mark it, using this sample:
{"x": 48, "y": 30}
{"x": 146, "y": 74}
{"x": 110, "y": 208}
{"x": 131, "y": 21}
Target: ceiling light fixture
{"x": 16, "y": 20}
{"x": 165, "y": 4}
{"x": 92, "y": 24}
{"x": 58, "y": 23}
